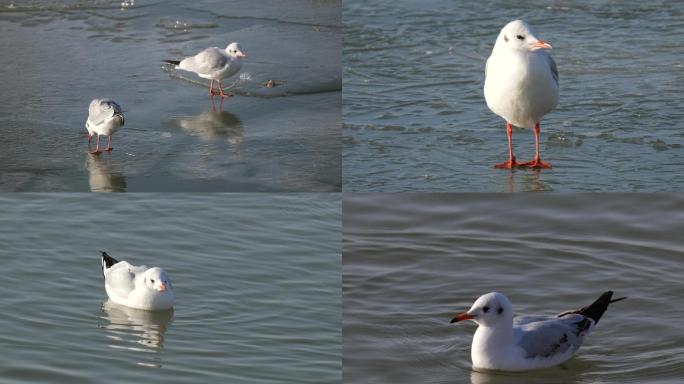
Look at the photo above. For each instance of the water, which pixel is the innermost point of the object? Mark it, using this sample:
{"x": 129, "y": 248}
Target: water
{"x": 256, "y": 279}
{"x": 415, "y": 118}
{"x": 59, "y": 55}
{"x": 411, "y": 261}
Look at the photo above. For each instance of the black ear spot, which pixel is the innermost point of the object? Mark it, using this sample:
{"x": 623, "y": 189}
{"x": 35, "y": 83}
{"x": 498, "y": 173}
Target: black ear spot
{"x": 506, "y": 38}
{"x": 500, "y": 310}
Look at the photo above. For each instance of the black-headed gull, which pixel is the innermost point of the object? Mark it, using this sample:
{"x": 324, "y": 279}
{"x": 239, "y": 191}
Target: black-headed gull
{"x": 214, "y": 64}
{"x": 105, "y": 117}
{"x": 136, "y": 287}
{"x": 521, "y": 84}
{"x": 527, "y": 342}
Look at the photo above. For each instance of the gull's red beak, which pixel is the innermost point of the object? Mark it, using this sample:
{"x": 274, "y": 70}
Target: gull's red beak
{"x": 541, "y": 44}
{"x": 162, "y": 287}
{"x": 461, "y": 316}
{"x": 242, "y": 54}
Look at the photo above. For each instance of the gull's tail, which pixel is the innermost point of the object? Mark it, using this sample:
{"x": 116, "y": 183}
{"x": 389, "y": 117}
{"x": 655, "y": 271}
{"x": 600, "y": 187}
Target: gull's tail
{"x": 107, "y": 261}
{"x": 174, "y": 62}
{"x": 596, "y": 309}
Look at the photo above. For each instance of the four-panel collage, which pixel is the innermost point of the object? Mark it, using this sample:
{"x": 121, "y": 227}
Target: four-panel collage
{"x": 341, "y": 191}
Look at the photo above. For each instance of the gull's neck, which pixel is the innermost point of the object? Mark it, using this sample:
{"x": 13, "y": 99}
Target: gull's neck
{"x": 490, "y": 342}
{"x": 502, "y": 333}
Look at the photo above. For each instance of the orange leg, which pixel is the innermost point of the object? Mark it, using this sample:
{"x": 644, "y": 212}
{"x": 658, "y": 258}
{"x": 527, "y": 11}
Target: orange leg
{"x": 221, "y": 93}
{"x": 511, "y": 158}
{"x": 537, "y": 162}
{"x": 97, "y": 147}
{"x": 211, "y": 88}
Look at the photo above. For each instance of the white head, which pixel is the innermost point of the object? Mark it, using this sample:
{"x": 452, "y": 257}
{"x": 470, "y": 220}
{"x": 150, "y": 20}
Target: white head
{"x": 488, "y": 310}
{"x": 156, "y": 279}
{"x": 518, "y": 35}
{"x": 234, "y": 50}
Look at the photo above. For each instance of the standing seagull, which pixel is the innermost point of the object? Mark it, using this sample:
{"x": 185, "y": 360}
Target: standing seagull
{"x": 105, "y": 117}
{"x": 214, "y": 64}
{"x": 527, "y": 342}
{"x": 521, "y": 84}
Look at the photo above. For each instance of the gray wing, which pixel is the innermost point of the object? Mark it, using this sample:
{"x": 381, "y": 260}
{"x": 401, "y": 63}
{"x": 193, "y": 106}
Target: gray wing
{"x": 102, "y": 109}
{"x": 205, "y": 62}
{"x": 549, "y": 337}
{"x": 523, "y": 320}
{"x": 552, "y": 66}
{"x": 121, "y": 278}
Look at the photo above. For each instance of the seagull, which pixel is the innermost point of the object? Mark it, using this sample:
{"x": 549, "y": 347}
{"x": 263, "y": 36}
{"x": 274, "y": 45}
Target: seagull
{"x": 527, "y": 342}
{"x": 521, "y": 84}
{"x": 136, "y": 287}
{"x": 214, "y": 64}
{"x": 105, "y": 117}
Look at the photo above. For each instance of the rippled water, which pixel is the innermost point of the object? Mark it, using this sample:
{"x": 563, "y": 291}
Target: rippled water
{"x": 256, "y": 279}
{"x": 59, "y": 55}
{"x": 411, "y": 261}
{"x": 415, "y": 117}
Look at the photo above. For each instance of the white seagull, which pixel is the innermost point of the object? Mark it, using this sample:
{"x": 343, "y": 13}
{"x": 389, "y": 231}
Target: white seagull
{"x": 105, "y": 117}
{"x": 521, "y": 84}
{"x": 214, "y": 64}
{"x": 527, "y": 342}
{"x": 136, "y": 287}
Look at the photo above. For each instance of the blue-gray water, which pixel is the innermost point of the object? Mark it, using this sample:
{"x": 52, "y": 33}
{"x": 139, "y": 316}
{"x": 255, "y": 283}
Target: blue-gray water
{"x": 60, "y": 54}
{"x": 256, "y": 279}
{"x": 415, "y": 118}
{"x": 411, "y": 261}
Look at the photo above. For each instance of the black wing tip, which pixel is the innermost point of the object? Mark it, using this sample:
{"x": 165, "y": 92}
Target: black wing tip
{"x": 599, "y": 307}
{"x": 608, "y": 296}
{"x": 596, "y": 309}
{"x": 107, "y": 261}
{"x": 174, "y": 62}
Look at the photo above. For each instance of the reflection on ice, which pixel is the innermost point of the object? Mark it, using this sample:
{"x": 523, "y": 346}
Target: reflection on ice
{"x": 214, "y": 124}
{"x": 137, "y": 330}
{"x": 102, "y": 177}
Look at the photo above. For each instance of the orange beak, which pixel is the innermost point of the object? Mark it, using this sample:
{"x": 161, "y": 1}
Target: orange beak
{"x": 541, "y": 44}
{"x": 242, "y": 54}
{"x": 461, "y": 316}
{"x": 162, "y": 287}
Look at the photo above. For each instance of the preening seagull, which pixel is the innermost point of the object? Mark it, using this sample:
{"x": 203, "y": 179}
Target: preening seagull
{"x": 105, "y": 117}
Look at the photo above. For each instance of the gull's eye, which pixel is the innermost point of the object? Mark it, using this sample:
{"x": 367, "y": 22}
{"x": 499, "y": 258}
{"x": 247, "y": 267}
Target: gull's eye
{"x": 520, "y": 37}
{"x": 485, "y": 309}
{"x": 500, "y": 310}
{"x": 152, "y": 280}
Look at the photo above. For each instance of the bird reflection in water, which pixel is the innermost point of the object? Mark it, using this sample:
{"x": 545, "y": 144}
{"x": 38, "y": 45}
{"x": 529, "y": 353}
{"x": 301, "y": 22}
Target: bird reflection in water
{"x": 102, "y": 176}
{"x": 529, "y": 181}
{"x": 139, "y": 331}
{"x": 214, "y": 124}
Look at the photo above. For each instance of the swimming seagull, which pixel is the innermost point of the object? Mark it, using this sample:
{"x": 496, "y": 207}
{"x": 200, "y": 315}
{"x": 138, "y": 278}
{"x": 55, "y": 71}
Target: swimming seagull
{"x": 136, "y": 287}
{"x": 527, "y": 342}
{"x": 105, "y": 117}
{"x": 521, "y": 84}
{"x": 214, "y": 64}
